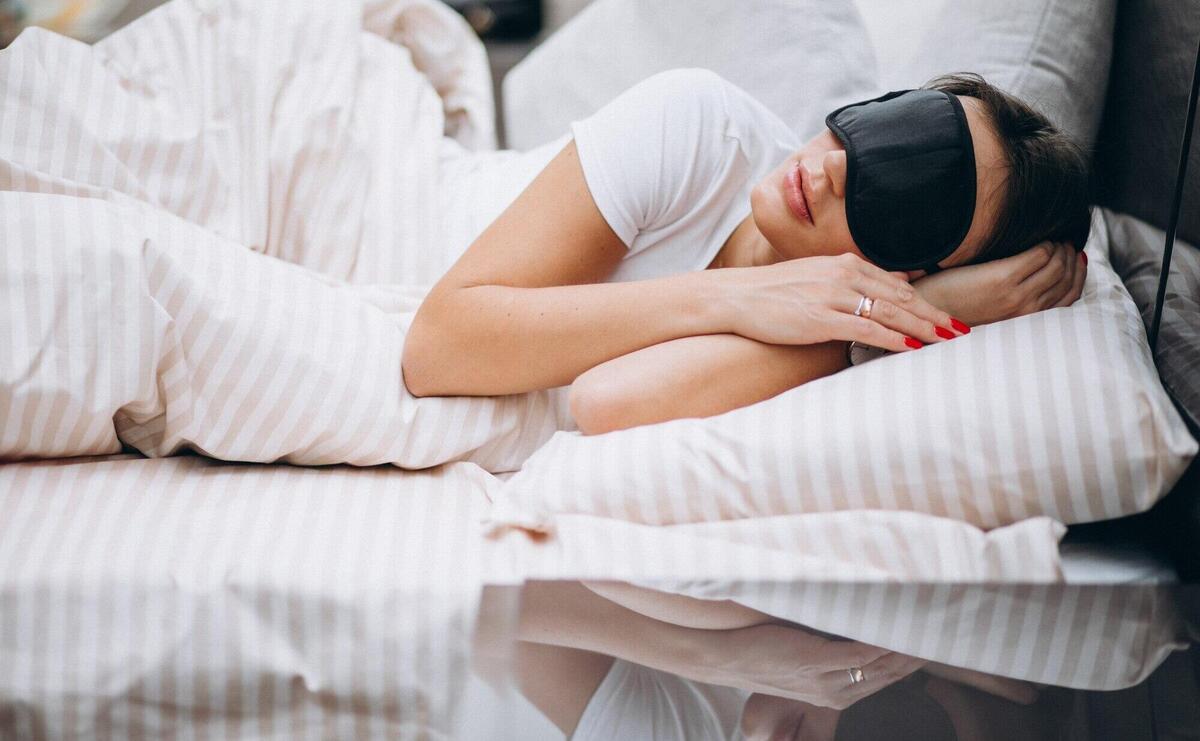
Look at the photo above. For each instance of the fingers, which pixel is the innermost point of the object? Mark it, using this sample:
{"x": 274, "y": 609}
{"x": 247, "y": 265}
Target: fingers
{"x": 1048, "y": 275}
{"x": 1025, "y": 264}
{"x": 841, "y": 655}
{"x": 894, "y": 317}
{"x": 868, "y": 332}
{"x": 883, "y": 671}
{"x": 1076, "y": 289}
{"x": 1055, "y": 282}
{"x": 879, "y": 674}
{"x": 880, "y": 284}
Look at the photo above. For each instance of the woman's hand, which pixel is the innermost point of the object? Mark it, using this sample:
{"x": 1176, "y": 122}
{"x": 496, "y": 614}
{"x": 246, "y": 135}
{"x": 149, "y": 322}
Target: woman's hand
{"x": 1043, "y": 277}
{"x": 798, "y": 665}
{"x": 812, "y": 300}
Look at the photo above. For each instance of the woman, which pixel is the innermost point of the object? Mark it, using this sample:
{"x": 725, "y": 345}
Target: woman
{"x": 682, "y": 255}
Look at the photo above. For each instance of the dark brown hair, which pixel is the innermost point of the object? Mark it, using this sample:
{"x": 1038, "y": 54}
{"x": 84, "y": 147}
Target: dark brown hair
{"x": 1047, "y": 193}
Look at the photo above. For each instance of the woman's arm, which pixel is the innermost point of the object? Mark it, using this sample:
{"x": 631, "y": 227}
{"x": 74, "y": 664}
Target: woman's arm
{"x": 524, "y": 308}
{"x": 678, "y": 609}
{"x": 694, "y": 377}
{"x": 1047, "y": 276}
{"x": 768, "y": 658}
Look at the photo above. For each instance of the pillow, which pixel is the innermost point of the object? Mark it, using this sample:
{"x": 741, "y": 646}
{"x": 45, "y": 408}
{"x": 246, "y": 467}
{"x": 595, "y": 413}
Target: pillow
{"x": 1137, "y": 252}
{"x": 1059, "y": 413}
{"x": 1054, "y": 54}
{"x": 801, "y": 59}
{"x": 1137, "y": 152}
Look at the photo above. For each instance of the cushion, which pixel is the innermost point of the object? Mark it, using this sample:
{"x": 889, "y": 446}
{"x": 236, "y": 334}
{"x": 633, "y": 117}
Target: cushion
{"x": 1137, "y": 153}
{"x": 1058, "y": 413}
{"x": 801, "y": 59}
{"x": 1136, "y": 253}
{"x": 1053, "y": 54}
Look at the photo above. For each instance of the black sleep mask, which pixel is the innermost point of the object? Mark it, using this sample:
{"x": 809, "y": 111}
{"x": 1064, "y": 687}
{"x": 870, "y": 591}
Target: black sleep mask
{"x": 910, "y": 176}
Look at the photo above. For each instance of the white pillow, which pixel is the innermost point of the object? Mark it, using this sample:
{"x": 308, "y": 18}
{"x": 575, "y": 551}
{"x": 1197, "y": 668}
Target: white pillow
{"x": 1059, "y": 413}
{"x": 801, "y": 59}
{"x": 1053, "y": 54}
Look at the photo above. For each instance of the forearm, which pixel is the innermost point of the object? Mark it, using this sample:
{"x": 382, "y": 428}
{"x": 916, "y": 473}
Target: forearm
{"x": 492, "y": 339}
{"x": 695, "y": 377}
{"x": 570, "y": 615}
{"x": 678, "y": 609}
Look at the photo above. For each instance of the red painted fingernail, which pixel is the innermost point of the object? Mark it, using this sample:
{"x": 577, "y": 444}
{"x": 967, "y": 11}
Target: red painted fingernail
{"x": 944, "y": 333}
{"x": 959, "y": 326}
{"x": 914, "y": 344}
{"x": 1084, "y": 256}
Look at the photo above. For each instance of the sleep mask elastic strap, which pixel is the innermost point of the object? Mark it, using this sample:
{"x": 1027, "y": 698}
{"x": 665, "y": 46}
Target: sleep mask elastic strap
{"x": 910, "y": 176}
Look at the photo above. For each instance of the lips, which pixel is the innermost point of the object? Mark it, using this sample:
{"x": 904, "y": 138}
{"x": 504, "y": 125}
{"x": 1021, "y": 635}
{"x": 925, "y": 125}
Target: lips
{"x": 793, "y": 192}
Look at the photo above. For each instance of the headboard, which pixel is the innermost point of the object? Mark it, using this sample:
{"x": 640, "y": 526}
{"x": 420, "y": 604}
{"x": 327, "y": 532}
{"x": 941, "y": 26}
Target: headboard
{"x": 1136, "y": 165}
{"x": 1137, "y": 152}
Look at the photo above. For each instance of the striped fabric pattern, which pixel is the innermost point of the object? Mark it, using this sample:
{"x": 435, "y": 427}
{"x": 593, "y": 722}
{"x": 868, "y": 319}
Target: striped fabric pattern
{"x": 223, "y": 251}
{"x": 1059, "y": 413}
{"x": 920, "y": 585}
{"x": 1086, "y": 636}
{"x": 187, "y": 598}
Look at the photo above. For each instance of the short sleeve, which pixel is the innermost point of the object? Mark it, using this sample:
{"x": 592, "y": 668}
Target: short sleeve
{"x": 644, "y": 153}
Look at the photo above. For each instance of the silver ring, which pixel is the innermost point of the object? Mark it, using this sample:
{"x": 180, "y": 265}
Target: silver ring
{"x": 864, "y": 307}
{"x": 856, "y": 675}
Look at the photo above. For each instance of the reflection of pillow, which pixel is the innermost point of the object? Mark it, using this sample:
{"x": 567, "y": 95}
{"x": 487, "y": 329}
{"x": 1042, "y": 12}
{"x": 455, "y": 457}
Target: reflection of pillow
{"x": 1058, "y": 413}
{"x": 800, "y": 58}
{"x": 1053, "y": 54}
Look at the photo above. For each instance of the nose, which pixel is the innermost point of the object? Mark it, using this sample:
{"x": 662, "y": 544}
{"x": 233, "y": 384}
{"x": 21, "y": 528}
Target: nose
{"x": 834, "y": 165}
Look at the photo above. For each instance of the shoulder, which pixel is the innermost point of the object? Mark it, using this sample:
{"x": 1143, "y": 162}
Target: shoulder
{"x": 701, "y": 96}
{"x": 686, "y": 93}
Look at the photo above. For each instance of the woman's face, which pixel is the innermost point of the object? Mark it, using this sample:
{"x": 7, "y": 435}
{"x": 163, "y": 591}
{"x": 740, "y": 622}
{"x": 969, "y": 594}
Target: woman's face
{"x": 779, "y": 210}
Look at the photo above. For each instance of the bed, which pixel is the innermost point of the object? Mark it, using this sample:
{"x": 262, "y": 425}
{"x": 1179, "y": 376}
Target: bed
{"x": 328, "y": 584}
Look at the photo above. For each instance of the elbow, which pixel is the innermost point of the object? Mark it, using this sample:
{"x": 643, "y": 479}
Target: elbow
{"x": 599, "y": 406}
{"x": 416, "y": 366}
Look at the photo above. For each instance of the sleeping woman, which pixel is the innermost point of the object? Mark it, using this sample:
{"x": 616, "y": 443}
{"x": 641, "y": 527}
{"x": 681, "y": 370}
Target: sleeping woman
{"x": 684, "y": 254}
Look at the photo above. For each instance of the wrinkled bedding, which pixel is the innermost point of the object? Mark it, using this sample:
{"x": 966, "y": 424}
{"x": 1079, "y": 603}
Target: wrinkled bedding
{"x": 217, "y": 224}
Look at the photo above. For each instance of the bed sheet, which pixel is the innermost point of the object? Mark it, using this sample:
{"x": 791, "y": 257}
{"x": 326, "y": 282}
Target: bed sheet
{"x": 150, "y": 598}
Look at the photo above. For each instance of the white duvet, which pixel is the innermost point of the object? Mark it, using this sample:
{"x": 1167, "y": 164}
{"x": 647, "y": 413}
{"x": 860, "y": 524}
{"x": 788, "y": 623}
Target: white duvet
{"x": 219, "y": 221}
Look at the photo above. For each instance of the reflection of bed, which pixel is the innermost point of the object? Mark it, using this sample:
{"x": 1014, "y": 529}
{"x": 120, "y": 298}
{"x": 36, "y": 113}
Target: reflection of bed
{"x": 152, "y": 598}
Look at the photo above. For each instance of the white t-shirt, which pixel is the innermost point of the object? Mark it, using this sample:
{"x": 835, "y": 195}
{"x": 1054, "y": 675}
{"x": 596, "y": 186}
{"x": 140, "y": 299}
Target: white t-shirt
{"x": 671, "y": 163}
{"x": 636, "y": 703}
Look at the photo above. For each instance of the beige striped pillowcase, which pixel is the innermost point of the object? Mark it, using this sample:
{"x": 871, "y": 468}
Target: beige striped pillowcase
{"x": 1059, "y": 413}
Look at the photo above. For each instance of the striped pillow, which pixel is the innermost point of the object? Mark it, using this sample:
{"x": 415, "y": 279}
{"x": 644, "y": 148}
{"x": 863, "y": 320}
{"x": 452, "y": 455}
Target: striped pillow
{"x": 1059, "y": 413}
